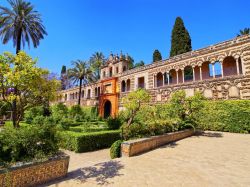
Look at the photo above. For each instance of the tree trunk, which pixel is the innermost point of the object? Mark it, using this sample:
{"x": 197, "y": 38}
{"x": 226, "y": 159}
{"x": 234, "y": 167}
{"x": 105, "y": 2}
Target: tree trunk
{"x": 14, "y": 107}
{"x": 80, "y": 93}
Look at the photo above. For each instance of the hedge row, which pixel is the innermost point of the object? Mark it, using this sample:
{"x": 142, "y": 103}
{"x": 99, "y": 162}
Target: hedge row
{"x": 83, "y": 142}
{"x": 227, "y": 116}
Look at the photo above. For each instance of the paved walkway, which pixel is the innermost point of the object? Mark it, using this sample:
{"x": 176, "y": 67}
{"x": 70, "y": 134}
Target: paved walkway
{"x": 213, "y": 159}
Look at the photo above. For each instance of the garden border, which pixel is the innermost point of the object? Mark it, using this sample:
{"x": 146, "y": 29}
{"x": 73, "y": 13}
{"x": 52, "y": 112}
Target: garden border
{"x": 138, "y": 146}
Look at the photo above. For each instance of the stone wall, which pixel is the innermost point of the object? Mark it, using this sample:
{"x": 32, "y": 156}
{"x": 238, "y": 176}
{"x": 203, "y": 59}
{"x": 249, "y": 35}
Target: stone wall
{"x": 135, "y": 147}
{"x": 34, "y": 174}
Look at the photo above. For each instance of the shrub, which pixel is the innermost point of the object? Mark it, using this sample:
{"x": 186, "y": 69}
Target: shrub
{"x": 38, "y": 120}
{"x": 59, "y": 111}
{"x": 114, "y": 123}
{"x": 27, "y": 143}
{"x": 228, "y": 116}
{"x": 83, "y": 142}
{"x": 76, "y": 110}
{"x": 33, "y": 112}
{"x": 115, "y": 149}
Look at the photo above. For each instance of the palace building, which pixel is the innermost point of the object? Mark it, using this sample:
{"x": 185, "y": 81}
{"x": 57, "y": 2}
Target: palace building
{"x": 220, "y": 71}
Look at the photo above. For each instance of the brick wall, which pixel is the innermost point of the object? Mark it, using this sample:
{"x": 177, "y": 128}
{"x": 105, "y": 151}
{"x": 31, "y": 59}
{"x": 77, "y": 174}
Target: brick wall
{"x": 34, "y": 174}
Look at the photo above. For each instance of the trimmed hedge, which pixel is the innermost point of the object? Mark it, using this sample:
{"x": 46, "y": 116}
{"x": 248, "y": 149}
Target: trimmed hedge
{"x": 227, "y": 116}
{"x": 115, "y": 149}
{"x": 83, "y": 142}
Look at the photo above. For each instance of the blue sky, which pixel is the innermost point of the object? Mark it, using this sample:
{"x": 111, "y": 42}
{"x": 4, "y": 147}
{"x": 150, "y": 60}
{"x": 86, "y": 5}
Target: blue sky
{"x": 78, "y": 28}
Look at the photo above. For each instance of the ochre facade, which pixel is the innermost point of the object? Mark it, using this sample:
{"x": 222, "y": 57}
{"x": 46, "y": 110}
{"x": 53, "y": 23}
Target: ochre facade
{"x": 220, "y": 71}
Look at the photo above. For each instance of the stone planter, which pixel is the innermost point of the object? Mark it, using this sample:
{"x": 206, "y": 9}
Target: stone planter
{"x": 32, "y": 174}
{"x": 138, "y": 146}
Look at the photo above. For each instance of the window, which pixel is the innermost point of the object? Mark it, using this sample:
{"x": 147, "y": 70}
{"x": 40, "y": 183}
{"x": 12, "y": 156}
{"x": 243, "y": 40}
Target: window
{"x": 89, "y": 93}
{"x": 108, "y": 88}
{"x": 141, "y": 82}
{"x": 117, "y": 70}
{"x": 217, "y": 69}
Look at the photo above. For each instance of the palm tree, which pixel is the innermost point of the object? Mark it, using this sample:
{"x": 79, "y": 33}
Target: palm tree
{"x": 21, "y": 24}
{"x": 245, "y": 31}
{"x": 81, "y": 72}
{"x": 97, "y": 60}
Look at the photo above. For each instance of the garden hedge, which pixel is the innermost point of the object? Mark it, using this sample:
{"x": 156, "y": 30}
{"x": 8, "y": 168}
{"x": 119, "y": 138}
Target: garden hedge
{"x": 227, "y": 116}
{"x": 83, "y": 142}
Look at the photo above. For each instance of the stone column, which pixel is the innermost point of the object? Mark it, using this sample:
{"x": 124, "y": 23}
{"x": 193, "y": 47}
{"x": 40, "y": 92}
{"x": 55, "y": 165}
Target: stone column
{"x": 222, "y": 71}
{"x": 163, "y": 84}
{"x": 200, "y": 73}
{"x": 193, "y": 74}
{"x": 168, "y": 77}
{"x": 213, "y": 70}
{"x": 183, "y": 78}
{"x": 177, "y": 77}
{"x": 237, "y": 65}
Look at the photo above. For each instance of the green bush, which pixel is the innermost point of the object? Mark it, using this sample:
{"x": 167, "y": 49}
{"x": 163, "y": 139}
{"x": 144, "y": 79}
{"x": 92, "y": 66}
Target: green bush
{"x": 115, "y": 149}
{"x": 27, "y": 143}
{"x": 59, "y": 111}
{"x": 114, "y": 123}
{"x": 33, "y": 112}
{"x": 83, "y": 142}
{"x": 228, "y": 116}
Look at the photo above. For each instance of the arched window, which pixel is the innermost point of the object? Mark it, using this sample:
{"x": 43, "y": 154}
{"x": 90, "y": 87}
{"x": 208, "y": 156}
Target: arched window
{"x": 82, "y": 93}
{"x": 123, "y": 85}
{"x": 124, "y": 68}
{"x": 76, "y": 96}
{"x": 172, "y": 77}
{"x": 188, "y": 73}
{"x": 110, "y": 71}
{"x": 229, "y": 66}
{"x": 128, "y": 85}
{"x": 89, "y": 92}
{"x": 65, "y": 97}
{"x": 104, "y": 74}
{"x": 206, "y": 70}
{"x": 159, "y": 79}
{"x": 117, "y": 70}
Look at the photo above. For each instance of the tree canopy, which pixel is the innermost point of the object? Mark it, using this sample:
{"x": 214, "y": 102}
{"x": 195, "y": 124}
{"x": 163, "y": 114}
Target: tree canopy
{"x": 21, "y": 23}
{"x": 180, "y": 39}
{"x": 157, "y": 56}
{"x": 244, "y": 31}
{"x": 21, "y": 80}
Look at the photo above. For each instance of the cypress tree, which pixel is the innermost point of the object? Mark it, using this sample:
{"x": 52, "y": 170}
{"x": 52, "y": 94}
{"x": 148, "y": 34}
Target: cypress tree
{"x": 157, "y": 55}
{"x": 180, "y": 41}
{"x": 64, "y": 77}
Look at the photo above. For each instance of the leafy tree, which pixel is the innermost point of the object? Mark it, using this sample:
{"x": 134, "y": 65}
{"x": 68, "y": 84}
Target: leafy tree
{"x": 186, "y": 108}
{"x": 157, "y": 56}
{"x": 82, "y": 73}
{"x": 245, "y": 31}
{"x": 97, "y": 60}
{"x": 133, "y": 103}
{"x": 21, "y": 23}
{"x": 138, "y": 64}
{"x": 180, "y": 41}
{"x": 33, "y": 86}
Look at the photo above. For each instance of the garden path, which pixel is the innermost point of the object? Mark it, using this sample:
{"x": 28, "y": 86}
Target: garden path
{"x": 211, "y": 159}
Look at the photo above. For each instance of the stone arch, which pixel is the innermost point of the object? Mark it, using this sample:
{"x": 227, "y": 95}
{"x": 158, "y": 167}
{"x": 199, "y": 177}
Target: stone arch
{"x": 128, "y": 85}
{"x": 206, "y": 70}
{"x": 229, "y": 66}
{"x": 159, "y": 79}
{"x": 172, "y": 77}
{"x": 188, "y": 73}
{"x": 124, "y": 68}
{"x": 217, "y": 69}
{"x": 123, "y": 86}
{"x": 107, "y": 109}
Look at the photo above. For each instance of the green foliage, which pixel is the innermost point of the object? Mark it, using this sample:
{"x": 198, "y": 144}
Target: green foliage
{"x": 180, "y": 41}
{"x": 228, "y": 116}
{"x": 75, "y": 110}
{"x": 4, "y": 108}
{"x": 27, "y": 143}
{"x": 157, "y": 56}
{"x": 138, "y": 64}
{"x": 33, "y": 112}
{"x": 59, "y": 111}
{"x": 115, "y": 149}
{"x": 83, "y": 142}
{"x": 243, "y": 32}
{"x": 114, "y": 123}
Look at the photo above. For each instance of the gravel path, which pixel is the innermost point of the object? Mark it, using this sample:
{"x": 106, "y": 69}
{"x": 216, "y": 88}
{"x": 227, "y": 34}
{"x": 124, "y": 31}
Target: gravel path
{"x": 211, "y": 159}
